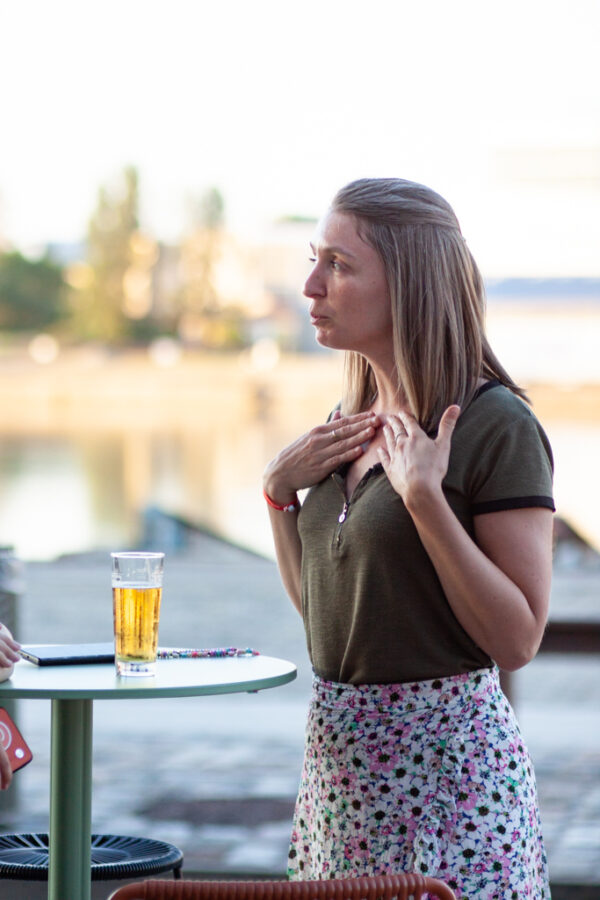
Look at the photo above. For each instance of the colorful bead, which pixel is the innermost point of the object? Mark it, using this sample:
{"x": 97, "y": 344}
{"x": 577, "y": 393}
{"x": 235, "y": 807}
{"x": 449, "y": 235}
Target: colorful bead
{"x": 185, "y": 653}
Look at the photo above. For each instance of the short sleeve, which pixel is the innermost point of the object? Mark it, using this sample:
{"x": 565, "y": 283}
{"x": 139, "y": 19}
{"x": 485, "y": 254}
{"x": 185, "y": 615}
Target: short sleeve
{"x": 515, "y": 470}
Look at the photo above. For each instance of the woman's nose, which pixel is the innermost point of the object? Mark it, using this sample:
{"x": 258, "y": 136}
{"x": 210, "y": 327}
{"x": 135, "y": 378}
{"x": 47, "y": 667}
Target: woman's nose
{"x": 314, "y": 285}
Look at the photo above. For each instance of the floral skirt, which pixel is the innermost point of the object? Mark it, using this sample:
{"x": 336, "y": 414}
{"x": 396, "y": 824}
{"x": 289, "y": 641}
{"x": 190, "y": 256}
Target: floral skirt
{"x": 430, "y": 777}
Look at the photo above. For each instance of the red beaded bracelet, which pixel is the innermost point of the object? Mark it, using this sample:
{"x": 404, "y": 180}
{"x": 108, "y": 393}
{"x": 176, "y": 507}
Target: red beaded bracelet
{"x": 289, "y": 507}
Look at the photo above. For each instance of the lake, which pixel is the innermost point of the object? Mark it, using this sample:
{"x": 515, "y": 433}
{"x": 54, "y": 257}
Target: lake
{"x": 92, "y": 439}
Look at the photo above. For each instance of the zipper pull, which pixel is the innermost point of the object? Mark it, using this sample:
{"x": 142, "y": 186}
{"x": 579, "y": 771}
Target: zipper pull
{"x": 342, "y": 515}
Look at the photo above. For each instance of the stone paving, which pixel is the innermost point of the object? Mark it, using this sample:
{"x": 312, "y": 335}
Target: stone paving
{"x": 217, "y": 775}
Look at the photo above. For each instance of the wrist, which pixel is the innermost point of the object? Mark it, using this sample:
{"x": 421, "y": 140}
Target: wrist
{"x": 291, "y": 504}
{"x": 276, "y": 488}
{"x": 422, "y": 500}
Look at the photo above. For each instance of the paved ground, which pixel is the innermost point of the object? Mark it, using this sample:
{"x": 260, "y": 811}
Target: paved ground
{"x": 217, "y": 776}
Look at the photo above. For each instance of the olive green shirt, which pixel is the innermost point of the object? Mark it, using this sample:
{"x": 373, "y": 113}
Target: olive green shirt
{"x": 373, "y": 607}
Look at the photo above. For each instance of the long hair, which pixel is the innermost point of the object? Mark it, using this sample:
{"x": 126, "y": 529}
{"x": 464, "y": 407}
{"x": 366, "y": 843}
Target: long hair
{"x": 437, "y": 298}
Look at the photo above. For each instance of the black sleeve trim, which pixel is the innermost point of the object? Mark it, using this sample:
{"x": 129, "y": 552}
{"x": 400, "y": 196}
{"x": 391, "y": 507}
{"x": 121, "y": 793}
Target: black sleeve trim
{"x": 512, "y": 503}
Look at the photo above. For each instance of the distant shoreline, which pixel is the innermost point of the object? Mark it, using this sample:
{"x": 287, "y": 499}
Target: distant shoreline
{"x": 91, "y": 389}
{"x": 569, "y": 403}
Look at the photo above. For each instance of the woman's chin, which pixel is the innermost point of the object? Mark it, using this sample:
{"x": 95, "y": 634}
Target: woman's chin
{"x": 325, "y": 339}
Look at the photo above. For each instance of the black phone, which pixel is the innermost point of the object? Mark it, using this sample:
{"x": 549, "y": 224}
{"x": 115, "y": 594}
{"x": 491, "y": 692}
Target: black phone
{"x": 13, "y": 742}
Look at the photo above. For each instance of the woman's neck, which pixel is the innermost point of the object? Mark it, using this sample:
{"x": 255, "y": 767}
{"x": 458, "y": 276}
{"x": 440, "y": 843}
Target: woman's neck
{"x": 388, "y": 398}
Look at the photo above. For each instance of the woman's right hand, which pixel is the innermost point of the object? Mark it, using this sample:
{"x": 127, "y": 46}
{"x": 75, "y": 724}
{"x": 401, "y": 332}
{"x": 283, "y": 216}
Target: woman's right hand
{"x": 316, "y": 454}
{"x": 8, "y": 653}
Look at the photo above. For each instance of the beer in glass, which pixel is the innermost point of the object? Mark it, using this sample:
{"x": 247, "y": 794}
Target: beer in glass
{"x": 137, "y": 590}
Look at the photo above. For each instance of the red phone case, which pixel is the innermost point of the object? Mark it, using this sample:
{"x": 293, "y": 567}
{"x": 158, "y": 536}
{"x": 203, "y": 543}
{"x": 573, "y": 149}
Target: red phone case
{"x": 12, "y": 740}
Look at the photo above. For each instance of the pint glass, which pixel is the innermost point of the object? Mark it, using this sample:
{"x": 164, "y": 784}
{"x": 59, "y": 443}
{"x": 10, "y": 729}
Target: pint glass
{"x": 137, "y": 590}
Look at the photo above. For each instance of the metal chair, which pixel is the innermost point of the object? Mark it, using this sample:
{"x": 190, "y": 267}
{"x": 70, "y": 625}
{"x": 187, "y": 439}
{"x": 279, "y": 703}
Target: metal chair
{"x": 383, "y": 887}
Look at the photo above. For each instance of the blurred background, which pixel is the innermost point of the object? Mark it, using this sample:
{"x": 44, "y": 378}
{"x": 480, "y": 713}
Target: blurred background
{"x": 162, "y": 167}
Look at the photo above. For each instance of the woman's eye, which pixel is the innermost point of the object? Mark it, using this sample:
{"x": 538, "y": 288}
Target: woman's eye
{"x": 334, "y": 263}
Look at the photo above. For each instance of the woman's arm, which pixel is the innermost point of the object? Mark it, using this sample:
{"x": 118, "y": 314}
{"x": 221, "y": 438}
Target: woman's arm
{"x": 288, "y": 552}
{"x": 498, "y": 585}
{"x": 303, "y": 463}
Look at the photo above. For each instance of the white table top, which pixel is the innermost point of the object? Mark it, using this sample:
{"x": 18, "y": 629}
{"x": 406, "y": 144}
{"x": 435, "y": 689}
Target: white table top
{"x": 174, "y": 678}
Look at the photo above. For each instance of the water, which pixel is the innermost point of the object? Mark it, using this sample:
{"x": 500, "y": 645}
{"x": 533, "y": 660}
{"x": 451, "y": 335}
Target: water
{"x": 67, "y": 495}
{"x": 85, "y": 451}
{"x": 555, "y": 348}
{"x": 89, "y": 443}
{"x": 49, "y": 498}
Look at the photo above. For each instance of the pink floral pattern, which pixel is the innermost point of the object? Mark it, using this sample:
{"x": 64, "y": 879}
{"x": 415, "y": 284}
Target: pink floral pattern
{"x": 431, "y": 777}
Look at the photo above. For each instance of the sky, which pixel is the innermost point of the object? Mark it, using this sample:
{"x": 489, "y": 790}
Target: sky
{"x": 495, "y": 105}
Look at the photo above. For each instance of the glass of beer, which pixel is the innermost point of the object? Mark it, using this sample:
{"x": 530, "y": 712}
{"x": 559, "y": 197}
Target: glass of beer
{"x": 137, "y": 590}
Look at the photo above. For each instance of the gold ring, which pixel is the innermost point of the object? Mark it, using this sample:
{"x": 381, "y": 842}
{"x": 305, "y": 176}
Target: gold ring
{"x": 334, "y": 433}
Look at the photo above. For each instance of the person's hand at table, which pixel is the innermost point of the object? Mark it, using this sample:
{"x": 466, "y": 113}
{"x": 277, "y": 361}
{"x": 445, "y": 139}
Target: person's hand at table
{"x": 316, "y": 454}
{"x": 9, "y": 653}
{"x": 8, "y": 657}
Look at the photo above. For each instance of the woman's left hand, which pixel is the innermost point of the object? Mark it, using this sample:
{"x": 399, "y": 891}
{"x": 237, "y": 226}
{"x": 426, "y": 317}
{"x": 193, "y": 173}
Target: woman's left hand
{"x": 415, "y": 463}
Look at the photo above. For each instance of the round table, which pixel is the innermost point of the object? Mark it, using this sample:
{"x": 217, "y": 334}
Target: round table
{"x": 72, "y": 690}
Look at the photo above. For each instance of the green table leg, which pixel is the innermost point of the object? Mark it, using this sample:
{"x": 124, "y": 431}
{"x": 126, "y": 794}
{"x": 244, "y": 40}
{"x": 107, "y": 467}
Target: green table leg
{"x": 69, "y": 872}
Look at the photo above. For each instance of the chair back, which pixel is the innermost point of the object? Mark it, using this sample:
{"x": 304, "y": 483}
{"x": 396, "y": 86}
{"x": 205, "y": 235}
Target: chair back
{"x": 382, "y": 887}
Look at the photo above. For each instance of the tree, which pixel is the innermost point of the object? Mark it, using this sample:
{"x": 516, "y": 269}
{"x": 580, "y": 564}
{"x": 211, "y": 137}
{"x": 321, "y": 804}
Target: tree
{"x": 32, "y": 293}
{"x": 210, "y": 210}
{"x": 115, "y": 299}
{"x": 206, "y": 318}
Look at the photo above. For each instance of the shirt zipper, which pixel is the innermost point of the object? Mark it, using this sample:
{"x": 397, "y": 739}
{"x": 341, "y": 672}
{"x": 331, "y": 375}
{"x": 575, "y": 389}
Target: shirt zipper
{"x": 345, "y": 508}
{"x": 341, "y": 517}
{"x": 341, "y": 520}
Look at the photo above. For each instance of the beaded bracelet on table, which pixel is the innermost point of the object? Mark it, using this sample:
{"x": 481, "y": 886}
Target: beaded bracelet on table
{"x": 185, "y": 653}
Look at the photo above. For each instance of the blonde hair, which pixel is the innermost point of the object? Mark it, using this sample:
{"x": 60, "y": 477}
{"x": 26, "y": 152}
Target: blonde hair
{"x": 437, "y": 298}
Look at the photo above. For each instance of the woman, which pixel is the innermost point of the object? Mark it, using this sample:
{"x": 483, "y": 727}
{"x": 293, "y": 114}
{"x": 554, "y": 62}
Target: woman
{"x": 420, "y": 561}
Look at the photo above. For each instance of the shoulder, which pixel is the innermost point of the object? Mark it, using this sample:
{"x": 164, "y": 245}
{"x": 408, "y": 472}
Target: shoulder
{"x": 500, "y": 451}
{"x": 497, "y": 403}
{"x": 495, "y": 412}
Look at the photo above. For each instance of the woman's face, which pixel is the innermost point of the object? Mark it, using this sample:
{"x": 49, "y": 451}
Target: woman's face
{"x": 350, "y": 302}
